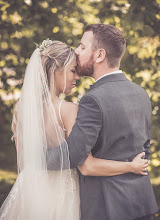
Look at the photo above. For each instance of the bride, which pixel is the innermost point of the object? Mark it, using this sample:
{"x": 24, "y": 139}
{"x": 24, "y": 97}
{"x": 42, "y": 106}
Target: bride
{"x": 43, "y": 121}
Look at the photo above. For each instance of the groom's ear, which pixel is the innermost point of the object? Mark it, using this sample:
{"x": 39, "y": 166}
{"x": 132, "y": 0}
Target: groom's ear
{"x": 100, "y": 55}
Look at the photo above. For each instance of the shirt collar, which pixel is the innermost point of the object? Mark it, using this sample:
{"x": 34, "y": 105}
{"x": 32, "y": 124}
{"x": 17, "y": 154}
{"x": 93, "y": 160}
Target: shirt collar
{"x": 107, "y": 74}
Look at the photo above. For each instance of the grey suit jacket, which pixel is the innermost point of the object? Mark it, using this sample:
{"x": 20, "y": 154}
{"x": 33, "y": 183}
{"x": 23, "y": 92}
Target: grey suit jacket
{"x": 113, "y": 122}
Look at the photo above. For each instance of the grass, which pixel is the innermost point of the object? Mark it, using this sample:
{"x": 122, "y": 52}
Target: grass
{"x": 7, "y": 179}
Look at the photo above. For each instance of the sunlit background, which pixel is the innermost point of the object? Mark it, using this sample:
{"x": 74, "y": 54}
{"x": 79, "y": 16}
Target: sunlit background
{"x": 23, "y": 22}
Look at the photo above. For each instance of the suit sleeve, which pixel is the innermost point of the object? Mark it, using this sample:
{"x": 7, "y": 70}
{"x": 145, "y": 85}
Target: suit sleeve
{"x": 82, "y": 138}
{"x": 85, "y": 131}
{"x": 147, "y": 143}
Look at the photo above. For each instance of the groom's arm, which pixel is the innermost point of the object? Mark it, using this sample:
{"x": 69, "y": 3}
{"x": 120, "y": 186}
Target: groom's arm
{"x": 149, "y": 114}
{"x": 85, "y": 131}
{"x": 83, "y": 136}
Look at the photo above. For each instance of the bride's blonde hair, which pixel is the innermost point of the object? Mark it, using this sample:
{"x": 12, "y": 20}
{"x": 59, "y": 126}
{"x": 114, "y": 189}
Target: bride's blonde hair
{"x": 56, "y": 56}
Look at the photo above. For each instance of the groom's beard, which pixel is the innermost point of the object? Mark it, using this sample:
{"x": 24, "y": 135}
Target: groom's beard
{"x": 86, "y": 69}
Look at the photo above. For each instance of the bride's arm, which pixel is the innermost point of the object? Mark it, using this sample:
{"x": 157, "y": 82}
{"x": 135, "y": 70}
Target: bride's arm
{"x": 101, "y": 167}
{"x": 13, "y": 127}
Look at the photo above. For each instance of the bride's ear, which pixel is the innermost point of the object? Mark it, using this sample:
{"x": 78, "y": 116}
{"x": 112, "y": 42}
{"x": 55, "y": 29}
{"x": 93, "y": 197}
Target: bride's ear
{"x": 100, "y": 55}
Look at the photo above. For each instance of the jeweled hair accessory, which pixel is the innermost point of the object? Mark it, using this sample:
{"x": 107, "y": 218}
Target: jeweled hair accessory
{"x": 46, "y": 43}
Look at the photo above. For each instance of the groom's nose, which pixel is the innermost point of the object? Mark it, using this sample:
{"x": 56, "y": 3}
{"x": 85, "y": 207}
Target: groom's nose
{"x": 77, "y": 50}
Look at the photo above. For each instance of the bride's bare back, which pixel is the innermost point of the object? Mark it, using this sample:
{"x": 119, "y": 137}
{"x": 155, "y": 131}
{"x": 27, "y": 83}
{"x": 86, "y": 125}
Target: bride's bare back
{"x": 66, "y": 114}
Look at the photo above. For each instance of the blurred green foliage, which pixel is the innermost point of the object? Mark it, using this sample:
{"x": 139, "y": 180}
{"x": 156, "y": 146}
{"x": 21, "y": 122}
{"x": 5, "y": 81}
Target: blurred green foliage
{"x": 23, "y": 22}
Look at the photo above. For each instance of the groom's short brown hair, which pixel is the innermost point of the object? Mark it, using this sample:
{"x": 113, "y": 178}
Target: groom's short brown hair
{"x": 110, "y": 39}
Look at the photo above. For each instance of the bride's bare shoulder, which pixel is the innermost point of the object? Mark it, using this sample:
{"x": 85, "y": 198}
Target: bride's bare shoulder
{"x": 69, "y": 109}
{"x": 69, "y": 114}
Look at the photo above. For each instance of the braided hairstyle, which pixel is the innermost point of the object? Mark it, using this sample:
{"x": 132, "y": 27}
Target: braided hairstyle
{"x": 54, "y": 57}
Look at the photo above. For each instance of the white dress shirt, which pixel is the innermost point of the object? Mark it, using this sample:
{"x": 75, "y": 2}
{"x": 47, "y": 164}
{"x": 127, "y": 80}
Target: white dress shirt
{"x": 107, "y": 74}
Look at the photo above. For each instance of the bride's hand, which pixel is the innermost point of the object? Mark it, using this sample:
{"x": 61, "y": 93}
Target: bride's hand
{"x": 140, "y": 166}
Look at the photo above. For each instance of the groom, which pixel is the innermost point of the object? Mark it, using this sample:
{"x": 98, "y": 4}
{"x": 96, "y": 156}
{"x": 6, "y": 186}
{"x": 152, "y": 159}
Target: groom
{"x": 113, "y": 122}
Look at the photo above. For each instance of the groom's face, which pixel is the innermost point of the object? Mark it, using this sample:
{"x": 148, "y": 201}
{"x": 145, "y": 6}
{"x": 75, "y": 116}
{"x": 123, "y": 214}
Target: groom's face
{"x": 85, "y": 55}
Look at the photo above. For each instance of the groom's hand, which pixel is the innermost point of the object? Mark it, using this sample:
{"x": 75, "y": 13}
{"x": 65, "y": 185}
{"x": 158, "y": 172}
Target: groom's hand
{"x": 140, "y": 165}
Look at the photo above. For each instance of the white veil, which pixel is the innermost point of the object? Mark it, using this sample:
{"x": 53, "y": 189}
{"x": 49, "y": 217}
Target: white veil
{"x": 38, "y": 193}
